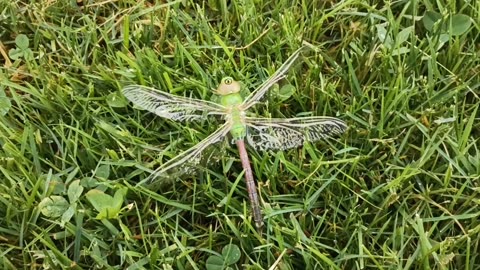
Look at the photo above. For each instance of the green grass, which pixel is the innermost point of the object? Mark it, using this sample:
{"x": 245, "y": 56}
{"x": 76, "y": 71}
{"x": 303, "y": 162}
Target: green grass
{"x": 398, "y": 191}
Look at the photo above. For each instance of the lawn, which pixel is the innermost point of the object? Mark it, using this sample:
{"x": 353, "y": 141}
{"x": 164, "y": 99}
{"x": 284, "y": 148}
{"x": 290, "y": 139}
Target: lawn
{"x": 398, "y": 190}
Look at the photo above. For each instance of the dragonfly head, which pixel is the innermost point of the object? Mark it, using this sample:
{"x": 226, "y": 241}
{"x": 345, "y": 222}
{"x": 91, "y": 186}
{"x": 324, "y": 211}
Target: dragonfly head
{"x": 228, "y": 86}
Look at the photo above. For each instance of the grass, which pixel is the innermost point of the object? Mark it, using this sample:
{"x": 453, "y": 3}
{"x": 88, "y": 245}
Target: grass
{"x": 398, "y": 191}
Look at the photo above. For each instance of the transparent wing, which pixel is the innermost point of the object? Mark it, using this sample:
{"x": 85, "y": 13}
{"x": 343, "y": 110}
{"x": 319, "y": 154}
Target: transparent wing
{"x": 170, "y": 106}
{"x": 258, "y": 93}
{"x": 186, "y": 161}
{"x": 281, "y": 133}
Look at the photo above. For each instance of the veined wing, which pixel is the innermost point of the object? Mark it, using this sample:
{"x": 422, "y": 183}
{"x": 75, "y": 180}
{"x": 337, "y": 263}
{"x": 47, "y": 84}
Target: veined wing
{"x": 185, "y": 160}
{"x": 170, "y": 106}
{"x": 285, "y": 133}
{"x": 258, "y": 93}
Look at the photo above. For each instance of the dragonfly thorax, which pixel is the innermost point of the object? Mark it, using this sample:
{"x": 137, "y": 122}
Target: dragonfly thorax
{"x": 236, "y": 118}
{"x": 230, "y": 98}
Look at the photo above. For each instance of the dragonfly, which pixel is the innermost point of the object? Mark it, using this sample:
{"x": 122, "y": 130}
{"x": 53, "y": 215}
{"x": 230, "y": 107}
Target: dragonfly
{"x": 260, "y": 133}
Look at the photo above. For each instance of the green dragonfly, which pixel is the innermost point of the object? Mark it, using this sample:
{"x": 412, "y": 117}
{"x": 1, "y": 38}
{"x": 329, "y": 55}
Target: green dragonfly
{"x": 260, "y": 133}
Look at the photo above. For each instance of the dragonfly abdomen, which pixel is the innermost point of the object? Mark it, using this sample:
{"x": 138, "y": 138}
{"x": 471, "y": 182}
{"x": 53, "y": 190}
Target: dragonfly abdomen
{"x": 238, "y": 131}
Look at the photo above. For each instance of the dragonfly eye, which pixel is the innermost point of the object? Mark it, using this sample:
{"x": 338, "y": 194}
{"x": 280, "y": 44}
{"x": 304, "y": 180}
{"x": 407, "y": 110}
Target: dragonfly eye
{"x": 228, "y": 80}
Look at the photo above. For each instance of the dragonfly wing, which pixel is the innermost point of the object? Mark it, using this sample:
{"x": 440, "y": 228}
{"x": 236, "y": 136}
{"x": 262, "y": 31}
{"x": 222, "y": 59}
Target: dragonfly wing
{"x": 258, "y": 93}
{"x": 186, "y": 161}
{"x": 170, "y": 106}
{"x": 281, "y": 133}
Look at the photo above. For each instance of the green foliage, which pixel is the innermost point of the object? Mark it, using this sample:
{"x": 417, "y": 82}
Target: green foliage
{"x": 57, "y": 206}
{"x": 446, "y": 26}
{"x": 230, "y": 255}
{"x": 457, "y": 25}
{"x": 22, "y": 50}
{"x": 106, "y": 205}
{"x": 283, "y": 93}
{"x": 116, "y": 101}
{"x": 53, "y": 206}
{"x": 5, "y": 103}
{"x": 398, "y": 191}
